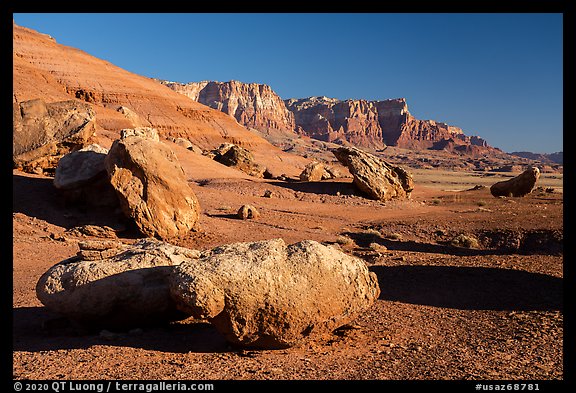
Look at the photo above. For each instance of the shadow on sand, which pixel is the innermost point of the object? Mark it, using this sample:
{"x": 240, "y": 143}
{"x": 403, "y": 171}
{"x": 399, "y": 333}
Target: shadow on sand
{"x": 37, "y": 329}
{"x": 321, "y": 187}
{"x": 364, "y": 240}
{"x": 470, "y": 288}
{"x": 37, "y": 197}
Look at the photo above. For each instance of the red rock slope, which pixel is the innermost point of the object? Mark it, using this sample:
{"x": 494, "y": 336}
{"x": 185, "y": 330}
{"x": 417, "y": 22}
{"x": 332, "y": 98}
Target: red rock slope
{"x": 45, "y": 69}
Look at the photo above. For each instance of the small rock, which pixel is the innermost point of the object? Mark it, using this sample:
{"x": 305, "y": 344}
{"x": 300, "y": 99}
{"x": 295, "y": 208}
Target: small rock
{"x": 57, "y": 237}
{"x": 185, "y": 143}
{"x": 267, "y": 194}
{"x": 312, "y": 172}
{"x": 248, "y": 212}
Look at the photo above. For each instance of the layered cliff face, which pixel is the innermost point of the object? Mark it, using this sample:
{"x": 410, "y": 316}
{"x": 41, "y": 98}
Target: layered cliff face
{"x": 120, "y": 99}
{"x": 377, "y": 123}
{"x": 253, "y": 105}
{"x": 331, "y": 120}
{"x": 362, "y": 123}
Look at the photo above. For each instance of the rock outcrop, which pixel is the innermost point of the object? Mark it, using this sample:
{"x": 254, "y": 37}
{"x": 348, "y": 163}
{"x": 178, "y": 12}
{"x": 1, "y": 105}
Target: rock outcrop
{"x": 518, "y": 186}
{"x": 151, "y": 187}
{"x": 270, "y": 295}
{"x": 375, "y": 177}
{"x": 44, "y": 132}
{"x": 253, "y": 105}
{"x": 109, "y": 284}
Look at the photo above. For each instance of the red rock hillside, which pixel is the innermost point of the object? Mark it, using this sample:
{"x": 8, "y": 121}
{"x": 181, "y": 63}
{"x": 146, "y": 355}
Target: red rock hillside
{"x": 45, "y": 69}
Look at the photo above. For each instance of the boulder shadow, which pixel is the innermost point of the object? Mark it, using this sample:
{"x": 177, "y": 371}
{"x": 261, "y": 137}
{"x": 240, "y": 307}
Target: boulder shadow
{"x": 320, "y": 187}
{"x": 470, "y": 288}
{"x": 37, "y": 329}
{"x": 364, "y": 240}
{"x": 37, "y": 197}
{"x": 229, "y": 216}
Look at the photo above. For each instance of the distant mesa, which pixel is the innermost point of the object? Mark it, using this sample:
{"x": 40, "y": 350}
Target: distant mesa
{"x": 552, "y": 158}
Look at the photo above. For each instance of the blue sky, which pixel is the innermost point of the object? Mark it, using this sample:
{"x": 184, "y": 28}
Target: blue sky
{"x": 498, "y": 76}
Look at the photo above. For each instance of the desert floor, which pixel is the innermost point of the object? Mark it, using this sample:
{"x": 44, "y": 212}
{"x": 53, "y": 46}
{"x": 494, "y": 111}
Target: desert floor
{"x": 445, "y": 312}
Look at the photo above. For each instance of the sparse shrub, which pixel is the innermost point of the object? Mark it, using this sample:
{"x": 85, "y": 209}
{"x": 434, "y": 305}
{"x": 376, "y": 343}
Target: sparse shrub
{"x": 481, "y": 203}
{"x": 466, "y": 241}
{"x": 394, "y": 236}
{"x": 377, "y": 247}
{"x": 372, "y": 231}
{"x": 344, "y": 240}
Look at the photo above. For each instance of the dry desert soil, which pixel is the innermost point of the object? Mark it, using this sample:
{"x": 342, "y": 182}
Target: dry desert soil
{"x": 446, "y": 312}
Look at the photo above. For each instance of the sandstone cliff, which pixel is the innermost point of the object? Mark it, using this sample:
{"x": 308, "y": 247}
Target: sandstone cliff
{"x": 363, "y": 123}
{"x": 377, "y": 123}
{"x": 120, "y": 99}
{"x": 253, "y": 105}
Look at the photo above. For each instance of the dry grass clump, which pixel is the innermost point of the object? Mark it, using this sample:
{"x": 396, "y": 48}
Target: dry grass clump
{"x": 394, "y": 236}
{"x": 344, "y": 240}
{"x": 466, "y": 241}
{"x": 377, "y": 247}
{"x": 372, "y": 231}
